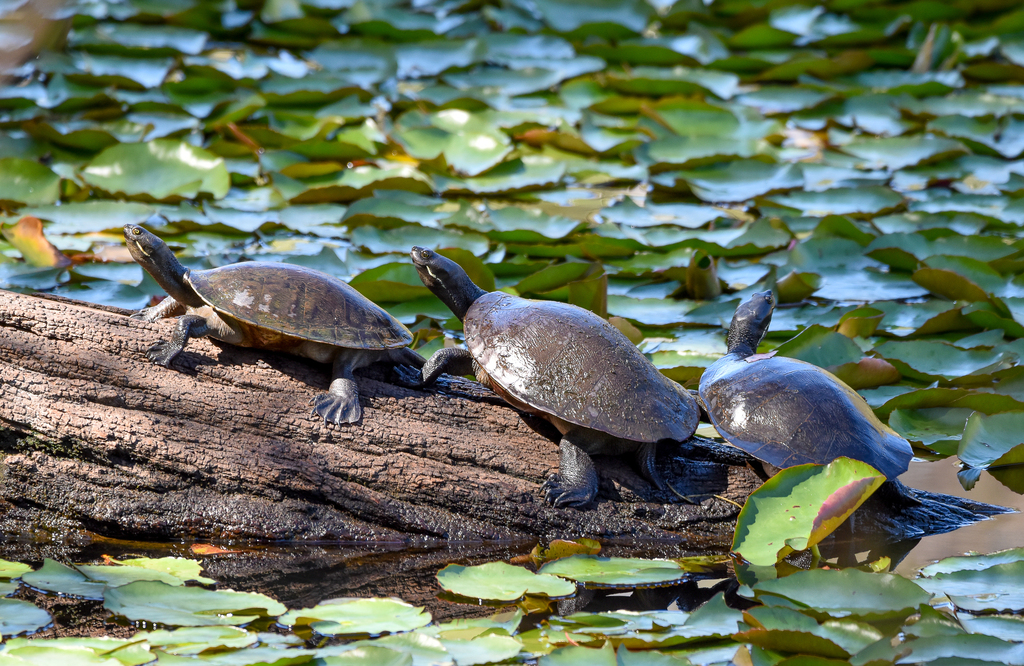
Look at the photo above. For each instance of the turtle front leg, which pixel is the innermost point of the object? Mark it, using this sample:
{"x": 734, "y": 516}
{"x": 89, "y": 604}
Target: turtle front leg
{"x": 165, "y": 308}
{"x": 189, "y": 326}
{"x": 341, "y": 402}
{"x": 575, "y": 484}
{"x": 448, "y": 361}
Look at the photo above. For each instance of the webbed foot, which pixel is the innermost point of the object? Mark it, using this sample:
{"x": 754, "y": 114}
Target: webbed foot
{"x": 335, "y": 408}
{"x": 163, "y": 352}
{"x": 558, "y": 494}
{"x": 146, "y": 314}
{"x": 407, "y": 376}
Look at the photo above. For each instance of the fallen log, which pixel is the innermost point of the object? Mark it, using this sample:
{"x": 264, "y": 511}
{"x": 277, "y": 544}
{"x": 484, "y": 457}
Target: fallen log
{"x": 94, "y": 436}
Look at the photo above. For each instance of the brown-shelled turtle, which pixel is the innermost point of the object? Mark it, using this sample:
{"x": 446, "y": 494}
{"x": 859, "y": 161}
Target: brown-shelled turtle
{"x": 787, "y": 412}
{"x": 275, "y": 306}
{"x": 565, "y": 365}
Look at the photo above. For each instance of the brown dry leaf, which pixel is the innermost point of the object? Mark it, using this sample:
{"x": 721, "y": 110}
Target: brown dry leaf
{"x": 210, "y": 549}
{"x": 27, "y": 236}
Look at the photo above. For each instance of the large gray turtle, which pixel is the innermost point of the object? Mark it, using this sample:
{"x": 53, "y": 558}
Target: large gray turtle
{"x": 282, "y": 307}
{"x": 566, "y": 365}
{"x": 787, "y": 412}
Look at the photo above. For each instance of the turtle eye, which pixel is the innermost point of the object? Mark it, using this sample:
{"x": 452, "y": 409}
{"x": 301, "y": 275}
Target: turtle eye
{"x": 424, "y": 254}
{"x": 136, "y": 231}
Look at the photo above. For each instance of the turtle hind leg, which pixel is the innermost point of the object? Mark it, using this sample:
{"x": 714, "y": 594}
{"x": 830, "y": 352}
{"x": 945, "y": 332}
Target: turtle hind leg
{"x": 341, "y": 402}
{"x": 450, "y": 361}
{"x": 189, "y": 326}
{"x": 645, "y": 458}
{"x": 575, "y": 484}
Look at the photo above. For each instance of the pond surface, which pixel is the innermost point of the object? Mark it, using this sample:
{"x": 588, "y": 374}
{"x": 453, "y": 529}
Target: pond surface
{"x": 655, "y": 162}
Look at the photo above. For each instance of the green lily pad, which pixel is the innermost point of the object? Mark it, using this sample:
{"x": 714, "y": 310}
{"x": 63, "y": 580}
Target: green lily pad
{"x": 993, "y": 440}
{"x": 18, "y": 617}
{"x": 55, "y": 577}
{"x": 844, "y": 593}
{"x": 996, "y": 588}
{"x": 822, "y": 347}
{"x": 482, "y": 650}
{"x": 194, "y": 640}
{"x": 160, "y": 169}
{"x": 369, "y": 655}
{"x": 841, "y": 201}
{"x": 179, "y": 567}
{"x": 597, "y": 571}
{"x": 786, "y": 630}
{"x": 899, "y": 152}
{"x": 13, "y": 569}
{"x": 800, "y": 506}
{"x": 28, "y": 182}
{"x": 358, "y": 616}
{"x": 931, "y": 360}
{"x": 155, "y": 601}
{"x": 500, "y": 582}
{"x": 938, "y": 428}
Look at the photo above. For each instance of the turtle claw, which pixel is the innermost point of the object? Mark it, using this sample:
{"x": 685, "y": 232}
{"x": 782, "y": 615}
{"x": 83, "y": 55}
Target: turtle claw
{"x": 408, "y": 376}
{"x": 335, "y": 409}
{"x": 163, "y": 352}
{"x": 558, "y": 496}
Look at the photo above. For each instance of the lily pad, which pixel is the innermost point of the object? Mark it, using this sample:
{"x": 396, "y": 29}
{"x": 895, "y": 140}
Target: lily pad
{"x": 993, "y": 440}
{"x": 358, "y": 616}
{"x": 161, "y": 169}
{"x": 18, "y": 617}
{"x": 500, "y": 582}
{"x": 28, "y": 182}
{"x": 597, "y": 571}
{"x": 844, "y": 593}
{"x": 154, "y": 601}
{"x": 800, "y": 506}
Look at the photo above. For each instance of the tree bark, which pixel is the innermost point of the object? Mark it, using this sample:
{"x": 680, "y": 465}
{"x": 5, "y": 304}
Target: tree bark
{"x": 94, "y": 436}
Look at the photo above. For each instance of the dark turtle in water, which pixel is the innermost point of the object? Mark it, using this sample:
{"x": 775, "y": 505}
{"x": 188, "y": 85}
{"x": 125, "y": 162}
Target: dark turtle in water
{"x": 274, "y": 306}
{"x": 565, "y": 365}
{"x": 787, "y": 412}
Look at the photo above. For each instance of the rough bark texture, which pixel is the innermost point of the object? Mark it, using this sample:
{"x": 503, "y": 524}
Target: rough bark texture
{"x": 94, "y": 436}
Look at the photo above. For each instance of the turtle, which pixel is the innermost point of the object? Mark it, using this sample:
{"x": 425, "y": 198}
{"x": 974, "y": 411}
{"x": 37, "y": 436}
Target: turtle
{"x": 787, "y": 412}
{"x": 274, "y": 306}
{"x": 565, "y": 365}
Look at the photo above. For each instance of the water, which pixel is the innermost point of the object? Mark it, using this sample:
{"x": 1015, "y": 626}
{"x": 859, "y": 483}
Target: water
{"x": 998, "y": 533}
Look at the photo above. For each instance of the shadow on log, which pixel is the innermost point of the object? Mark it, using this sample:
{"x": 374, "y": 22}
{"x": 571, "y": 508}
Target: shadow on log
{"x": 96, "y": 437}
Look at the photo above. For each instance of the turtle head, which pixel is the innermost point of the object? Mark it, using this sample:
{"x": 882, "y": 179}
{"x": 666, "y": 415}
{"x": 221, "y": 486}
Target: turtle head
{"x": 157, "y": 259}
{"x": 446, "y": 280}
{"x": 750, "y": 323}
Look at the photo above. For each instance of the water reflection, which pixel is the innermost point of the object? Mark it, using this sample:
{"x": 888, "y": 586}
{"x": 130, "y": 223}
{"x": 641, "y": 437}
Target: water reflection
{"x": 998, "y": 533}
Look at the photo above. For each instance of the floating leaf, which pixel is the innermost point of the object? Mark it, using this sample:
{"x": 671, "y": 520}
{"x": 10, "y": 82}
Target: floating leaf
{"x": 844, "y": 593}
{"x": 154, "y": 601}
{"x": 599, "y": 571}
{"x": 500, "y": 582}
{"x": 160, "y": 169}
{"x": 800, "y": 506}
{"x": 28, "y": 182}
{"x": 55, "y": 577}
{"x": 27, "y": 236}
{"x": 18, "y": 617}
{"x": 358, "y": 616}
{"x": 993, "y": 440}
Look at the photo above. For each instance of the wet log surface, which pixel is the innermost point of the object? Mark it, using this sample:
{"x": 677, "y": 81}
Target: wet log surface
{"x": 94, "y": 436}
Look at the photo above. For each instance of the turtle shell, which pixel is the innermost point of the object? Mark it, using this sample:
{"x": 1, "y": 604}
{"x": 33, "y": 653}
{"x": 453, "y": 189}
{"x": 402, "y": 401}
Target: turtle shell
{"x": 787, "y": 412}
{"x": 299, "y": 302}
{"x": 566, "y": 361}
